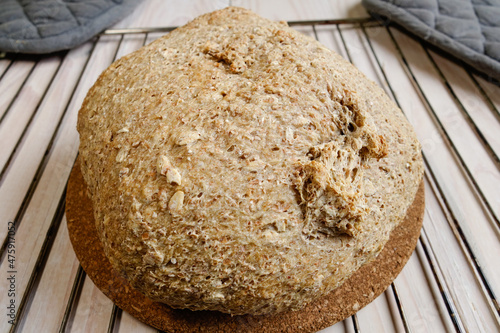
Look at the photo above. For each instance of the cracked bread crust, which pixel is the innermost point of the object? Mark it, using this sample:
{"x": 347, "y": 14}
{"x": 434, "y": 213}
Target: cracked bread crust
{"x": 240, "y": 166}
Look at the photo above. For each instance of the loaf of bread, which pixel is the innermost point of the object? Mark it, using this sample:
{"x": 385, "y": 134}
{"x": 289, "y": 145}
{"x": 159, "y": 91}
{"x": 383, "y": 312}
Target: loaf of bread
{"x": 240, "y": 166}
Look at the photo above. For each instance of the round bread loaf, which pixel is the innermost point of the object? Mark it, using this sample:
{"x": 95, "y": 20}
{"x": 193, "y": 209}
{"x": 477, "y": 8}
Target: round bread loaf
{"x": 240, "y": 166}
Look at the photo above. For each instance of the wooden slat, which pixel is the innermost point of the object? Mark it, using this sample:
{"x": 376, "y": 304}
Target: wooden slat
{"x": 24, "y": 108}
{"x": 492, "y": 91}
{"x": 92, "y": 312}
{"x": 4, "y": 65}
{"x": 469, "y": 95}
{"x": 128, "y": 324}
{"x": 292, "y": 10}
{"x": 129, "y": 44}
{"x": 161, "y": 13}
{"x": 337, "y": 328}
{"x": 376, "y": 317}
{"x": 420, "y": 298}
{"x": 464, "y": 287}
{"x": 54, "y": 287}
{"x": 12, "y": 81}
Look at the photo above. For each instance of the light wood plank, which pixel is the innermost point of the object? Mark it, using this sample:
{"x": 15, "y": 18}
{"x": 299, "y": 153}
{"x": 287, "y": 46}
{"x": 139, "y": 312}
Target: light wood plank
{"x": 474, "y": 221}
{"x": 461, "y": 282}
{"x": 167, "y": 13}
{"x": 54, "y": 288}
{"x": 329, "y": 36}
{"x": 129, "y": 44}
{"x": 360, "y": 54}
{"x": 423, "y": 307}
{"x": 339, "y": 327}
{"x": 151, "y": 37}
{"x": 12, "y": 81}
{"x": 93, "y": 311}
{"x": 472, "y": 100}
{"x": 377, "y": 316}
{"x": 4, "y": 64}
{"x": 294, "y": 10}
{"x": 491, "y": 90}
{"x": 128, "y": 324}
{"x": 25, "y": 105}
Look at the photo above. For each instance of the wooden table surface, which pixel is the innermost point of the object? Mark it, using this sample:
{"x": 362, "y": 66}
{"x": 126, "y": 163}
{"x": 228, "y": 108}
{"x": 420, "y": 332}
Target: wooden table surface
{"x": 452, "y": 281}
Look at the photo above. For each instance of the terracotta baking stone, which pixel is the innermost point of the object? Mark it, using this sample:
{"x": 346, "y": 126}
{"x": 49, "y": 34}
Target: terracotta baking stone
{"x": 359, "y": 290}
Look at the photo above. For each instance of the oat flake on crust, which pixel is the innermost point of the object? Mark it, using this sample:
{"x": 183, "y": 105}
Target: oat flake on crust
{"x": 240, "y": 166}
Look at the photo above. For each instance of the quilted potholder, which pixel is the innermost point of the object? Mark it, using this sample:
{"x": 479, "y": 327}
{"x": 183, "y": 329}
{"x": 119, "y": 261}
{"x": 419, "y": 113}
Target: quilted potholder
{"x": 468, "y": 29}
{"x": 44, "y": 26}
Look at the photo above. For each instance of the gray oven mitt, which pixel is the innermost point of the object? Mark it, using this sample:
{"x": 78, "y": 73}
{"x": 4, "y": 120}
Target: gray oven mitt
{"x": 468, "y": 29}
{"x": 44, "y": 26}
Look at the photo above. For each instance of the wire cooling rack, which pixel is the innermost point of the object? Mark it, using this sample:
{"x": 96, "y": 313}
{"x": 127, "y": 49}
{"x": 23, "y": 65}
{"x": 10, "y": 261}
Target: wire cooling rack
{"x": 452, "y": 281}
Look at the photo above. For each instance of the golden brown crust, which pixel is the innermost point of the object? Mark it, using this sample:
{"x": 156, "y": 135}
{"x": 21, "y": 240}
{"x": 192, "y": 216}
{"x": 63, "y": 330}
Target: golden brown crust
{"x": 237, "y": 165}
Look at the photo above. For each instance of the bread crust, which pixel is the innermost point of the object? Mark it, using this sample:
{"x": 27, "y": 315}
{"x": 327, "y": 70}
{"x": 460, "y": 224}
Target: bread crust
{"x": 240, "y": 166}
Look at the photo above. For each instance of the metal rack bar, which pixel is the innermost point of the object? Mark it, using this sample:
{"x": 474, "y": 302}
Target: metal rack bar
{"x": 334, "y": 22}
{"x": 290, "y": 23}
{"x": 400, "y": 308}
{"x": 112, "y": 319}
{"x": 76, "y": 289}
{"x": 453, "y": 222}
{"x": 450, "y": 306}
{"x": 355, "y": 323}
{"x": 349, "y": 57}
